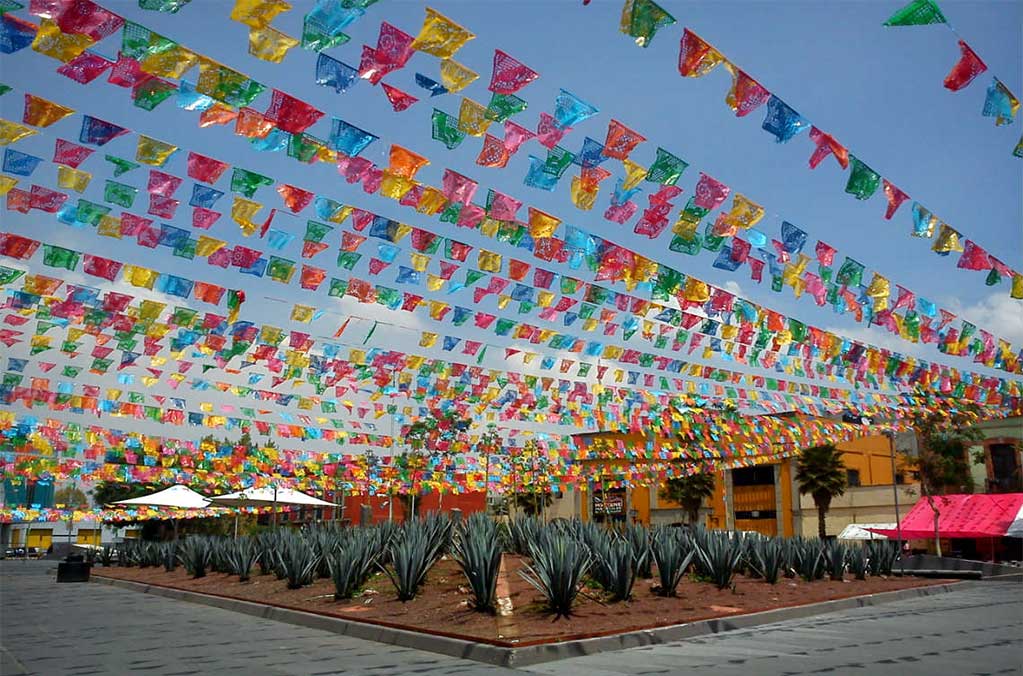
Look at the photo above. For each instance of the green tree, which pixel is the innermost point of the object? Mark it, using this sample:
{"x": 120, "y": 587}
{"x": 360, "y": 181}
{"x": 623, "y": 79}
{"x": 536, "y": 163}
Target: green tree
{"x": 944, "y": 434}
{"x": 70, "y": 496}
{"x": 426, "y": 438}
{"x": 690, "y": 492}
{"x": 821, "y": 473}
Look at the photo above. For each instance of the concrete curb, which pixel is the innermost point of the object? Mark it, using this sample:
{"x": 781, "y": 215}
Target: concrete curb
{"x": 532, "y": 654}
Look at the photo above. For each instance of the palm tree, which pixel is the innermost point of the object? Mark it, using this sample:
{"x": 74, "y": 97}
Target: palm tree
{"x": 690, "y": 492}
{"x": 821, "y": 473}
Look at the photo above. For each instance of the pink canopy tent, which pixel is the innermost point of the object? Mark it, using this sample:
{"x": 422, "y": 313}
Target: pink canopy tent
{"x": 962, "y": 516}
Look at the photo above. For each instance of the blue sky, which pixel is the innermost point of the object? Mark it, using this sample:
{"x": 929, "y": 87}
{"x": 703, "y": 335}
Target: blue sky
{"x": 878, "y": 90}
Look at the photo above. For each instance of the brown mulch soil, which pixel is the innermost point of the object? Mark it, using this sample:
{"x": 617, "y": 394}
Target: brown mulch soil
{"x": 442, "y": 606}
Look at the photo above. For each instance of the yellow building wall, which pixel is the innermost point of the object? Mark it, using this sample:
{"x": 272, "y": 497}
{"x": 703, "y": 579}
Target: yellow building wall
{"x": 88, "y": 536}
{"x": 871, "y": 456}
{"x": 16, "y": 538}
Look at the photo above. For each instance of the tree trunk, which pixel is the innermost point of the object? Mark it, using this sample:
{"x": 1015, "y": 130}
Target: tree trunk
{"x": 822, "y": 529}
{"x": 937, "y": 530}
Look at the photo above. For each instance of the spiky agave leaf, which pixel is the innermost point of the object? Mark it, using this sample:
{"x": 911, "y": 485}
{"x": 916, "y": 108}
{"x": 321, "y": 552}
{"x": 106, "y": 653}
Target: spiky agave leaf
{"x": 673, "y": 551}
{"x": 477, "y": 549}
{"x": 559, "y": 563}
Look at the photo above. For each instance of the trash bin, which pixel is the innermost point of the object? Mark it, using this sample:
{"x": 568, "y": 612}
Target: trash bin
{"x": 73, "y": 569}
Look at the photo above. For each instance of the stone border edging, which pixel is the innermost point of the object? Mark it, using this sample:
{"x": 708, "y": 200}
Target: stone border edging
{"x": 533, "y": 654}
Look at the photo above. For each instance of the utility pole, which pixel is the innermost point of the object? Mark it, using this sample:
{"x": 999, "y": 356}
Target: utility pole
{"x": 895, "y": 494}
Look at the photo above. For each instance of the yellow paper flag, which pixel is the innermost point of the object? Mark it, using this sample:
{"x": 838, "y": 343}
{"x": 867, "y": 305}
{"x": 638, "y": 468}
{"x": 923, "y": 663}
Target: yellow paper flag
{"x": 153, "y": 152}
{"x": 73, "y": 179}
{"x": 62, "y": 46}
{"x": 440, "y": 36}
{"x": 11, "y": 132}
{"x": 456, "y": 77}
{"x": 542, "y": 225}
{"x": 257, "y": 13}
{"x": 270, "y": 44}
{"x": 472, "y": 117}
{"x": 141, "y": 277}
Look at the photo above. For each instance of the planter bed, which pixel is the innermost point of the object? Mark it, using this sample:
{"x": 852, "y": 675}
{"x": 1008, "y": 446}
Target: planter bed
{"x": 442, "y": 606}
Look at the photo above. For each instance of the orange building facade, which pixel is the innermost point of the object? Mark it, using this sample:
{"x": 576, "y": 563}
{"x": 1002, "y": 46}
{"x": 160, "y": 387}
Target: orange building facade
{"x": 762, "y": 498}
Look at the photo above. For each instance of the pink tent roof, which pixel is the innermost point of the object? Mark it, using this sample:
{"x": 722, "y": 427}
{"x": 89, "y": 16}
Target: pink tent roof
{"x": 962, "y": 516}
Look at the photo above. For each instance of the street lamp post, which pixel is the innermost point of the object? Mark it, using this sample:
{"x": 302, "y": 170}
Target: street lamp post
{"x": 895, "y": 494}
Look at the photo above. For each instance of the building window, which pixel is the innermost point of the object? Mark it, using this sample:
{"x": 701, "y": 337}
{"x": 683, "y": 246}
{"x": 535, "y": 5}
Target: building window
{"x": 758, "y": 475}
{"x": 852, "y": 477}
{"x": 756, "y": 514}
{"x": 1005, "y": 472}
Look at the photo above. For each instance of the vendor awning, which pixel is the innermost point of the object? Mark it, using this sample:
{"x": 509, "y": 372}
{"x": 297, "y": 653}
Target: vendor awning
{"x": 961, "y": 516}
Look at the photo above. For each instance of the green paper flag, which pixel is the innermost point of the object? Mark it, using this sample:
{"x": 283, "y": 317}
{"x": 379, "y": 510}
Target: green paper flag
{"x": 168, "y": 6}
{"x": 248, "y": 182}
{"x": 152, "y": 92}
{"x": 993, "y": 277}
{"x": 558, "y": 160}
{"x": 348, "y": 259}
{"x": 280, "y": 269}
{"x": 120, "y": 194}
{"x": 304, "y": 147}
{"x": 850, "y": 274}
{"x": 863, "y": 181}
{"x": 445, "y": 129}
{"x": 641, "y": 19}
{"x": 316, "y": 231}
{"x": 316, "y": 39}
{"x": 503, "y": 106}
{"x": 666, "y": 169}
{"x": 121, "y": 166}
{"x": 71, "y": 371}
{"x": 8, "y": 275}
{"x": 90, "y": 213}
{"x": 917, "y": 13}
{"x": 4, "y": 89}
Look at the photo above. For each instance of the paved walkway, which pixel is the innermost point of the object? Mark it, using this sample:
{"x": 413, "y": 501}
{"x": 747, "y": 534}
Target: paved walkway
{"x": 91, "y": 629}
{"x": 977, "y": 630}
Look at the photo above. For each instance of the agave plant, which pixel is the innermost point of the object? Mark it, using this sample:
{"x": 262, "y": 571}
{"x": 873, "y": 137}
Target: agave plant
{"x": 194, "y": 553}
{"x": 613, "y": 567}
{"x": 810, "y": 559}
{"x": 856, "y": 558}
{"x": 559, "y": 563}
{"x": 169, "y": 555}
{"x": 639, "y": 537}
{"x": 352, "y": 563}
{"x": 673, "y": 551}
{"x": 882, "y": 555}
{"x": 769, "y": 558}
{"x": 834, "y": 559}
{"x": 477, "y": 549}
{"x": 523, "y": 531}
{"x": 242, "y": 556}
{"x": 106, "y": 556}
{"x": 412, "y": 555}
{"x": 298, "y": 561}
{"x": 719, "y": 556}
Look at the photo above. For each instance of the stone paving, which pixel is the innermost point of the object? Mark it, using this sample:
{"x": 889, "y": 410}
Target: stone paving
{"x": 92, "y": 629}
{"x": 974, "y": 631}
{"x": 86, "y": 629}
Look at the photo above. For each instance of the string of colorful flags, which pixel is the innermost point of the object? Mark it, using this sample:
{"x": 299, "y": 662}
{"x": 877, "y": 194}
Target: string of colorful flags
{"x": 613, "y": 386}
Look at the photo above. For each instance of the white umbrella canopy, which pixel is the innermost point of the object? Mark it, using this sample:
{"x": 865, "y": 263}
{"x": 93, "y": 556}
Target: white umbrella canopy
{"x": 860, "y": 531}
{"x": 1016, "y": 528}
{"x": 270, "y": 495}
{"x": 181, "y": 497}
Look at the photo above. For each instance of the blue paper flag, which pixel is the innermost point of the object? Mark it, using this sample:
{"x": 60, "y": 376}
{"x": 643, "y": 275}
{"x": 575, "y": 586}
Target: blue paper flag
{"x": 570, "y": 110}
{"x": 724, "y": 261}
{"x": 15, "y": 35}
{"x": 204, "y": 196}
{"x": 19, "y": 163}
{"x": 591, "y": 155}
{"x": 173, "y": 285}
{"x": 407, "y": 275}
{"x": 349, "y": 139}
{"x": 782, "y": 121}
{"x": 792, "y": 238}
{"x": 335, "y": 74}
{"x": 435, "y": 88}
{"x": 99, "y": 132}
{"x": 537, "y": 177}
{"x": 190, "y": 99}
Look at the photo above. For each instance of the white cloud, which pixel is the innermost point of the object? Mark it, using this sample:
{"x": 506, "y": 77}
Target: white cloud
{"x": 999, "y": 313}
